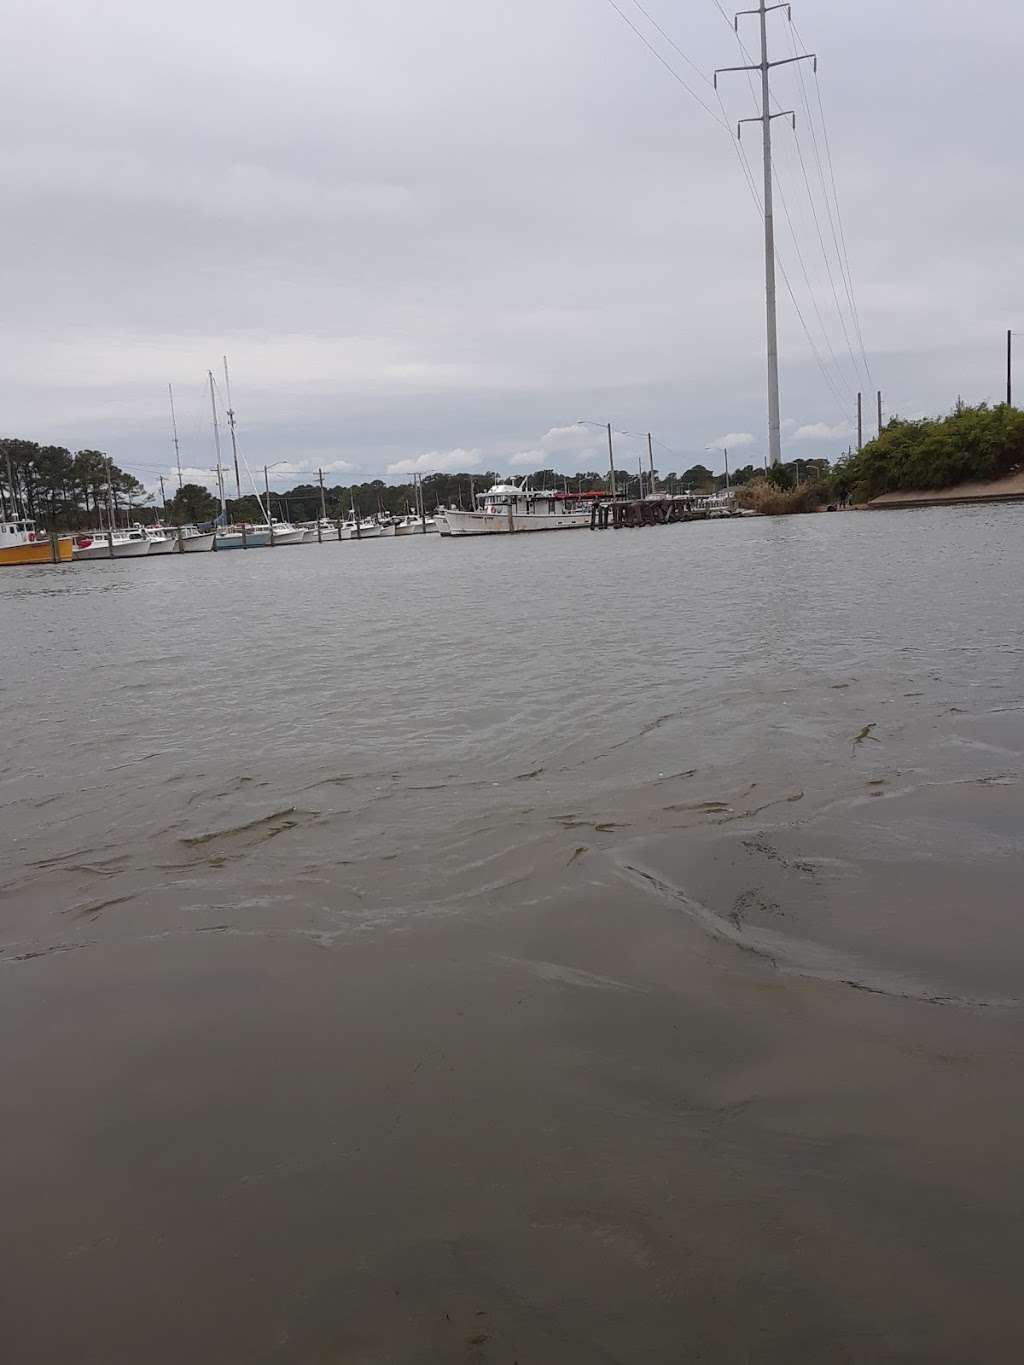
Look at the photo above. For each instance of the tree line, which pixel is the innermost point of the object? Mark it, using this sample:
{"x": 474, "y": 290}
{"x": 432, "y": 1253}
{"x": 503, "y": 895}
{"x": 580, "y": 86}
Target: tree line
{"x": 68, "y": 492}
{"x": 63, "y": 491}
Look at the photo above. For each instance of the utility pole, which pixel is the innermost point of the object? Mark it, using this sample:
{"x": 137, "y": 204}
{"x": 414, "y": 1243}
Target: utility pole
{"x": 231, "y": 425}
{"x": 860, "y": 422}
{"x": 266, "y": 484}
{"x": 163, "y": 496}
{"x": 174, "y": 430}
{"x": 728, "y": 485}
{"x": 611, "y": 463}
{"x": 765, "y": 119}
{"x": 1009, "y": 369}
{"x": 879, "y": 412}
{"x": 650, "y": 462}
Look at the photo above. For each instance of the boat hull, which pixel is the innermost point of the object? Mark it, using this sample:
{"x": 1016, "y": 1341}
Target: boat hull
{"x": 193, "y": 545}
{"x": 366, "y": 533}
{"x": 293, "y": 537}
{"x": 39, "y": 552}
{"x": 501, "y": 523}
{"x": 167, "y": 546}
{"x": 101, "y": 549}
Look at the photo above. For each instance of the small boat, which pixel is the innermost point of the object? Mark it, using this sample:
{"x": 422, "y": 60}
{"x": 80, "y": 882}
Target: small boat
{"x": 362, "y": 530}
{"x": 324, "y": 529}
{"x": 284, "y": 533}
{"x": 193, "y": 541}
{"x": 21, "y": 543}
{"x": 129, "y": 544}
{"x": 511, "y": 507}
{"x": 258, "y": 537}
{"x": 163, "y": 540}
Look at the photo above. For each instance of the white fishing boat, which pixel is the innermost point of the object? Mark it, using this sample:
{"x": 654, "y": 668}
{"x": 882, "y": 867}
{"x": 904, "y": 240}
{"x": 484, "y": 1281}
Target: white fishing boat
{"x": 162, "y": 539}
{"x": 284, "y": 533}
{"x": 362, "y": 530}
{"x": 192, "y": 541}
{"x": 231, "y": 538}
{"x": 416, "y": 526}
{"x": 323, "y": 529}
{"x": 130, "y": 544}
{"x": 511, "y": 507}
{"x": 387, "y": 528}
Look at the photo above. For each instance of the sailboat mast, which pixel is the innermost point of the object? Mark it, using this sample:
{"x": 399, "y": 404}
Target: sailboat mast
{"x": 231, "y": 424}
{"x": 174, "y": 432}
{"x": 216, "y": 442}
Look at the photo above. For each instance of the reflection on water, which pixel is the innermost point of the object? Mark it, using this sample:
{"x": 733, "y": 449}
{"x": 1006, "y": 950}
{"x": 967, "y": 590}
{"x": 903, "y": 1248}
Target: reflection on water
{"x": 560, "y": 948}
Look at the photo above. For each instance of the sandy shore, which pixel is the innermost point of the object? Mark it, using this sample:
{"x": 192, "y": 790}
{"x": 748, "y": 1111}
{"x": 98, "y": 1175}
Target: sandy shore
{"x": 996, "y": 490}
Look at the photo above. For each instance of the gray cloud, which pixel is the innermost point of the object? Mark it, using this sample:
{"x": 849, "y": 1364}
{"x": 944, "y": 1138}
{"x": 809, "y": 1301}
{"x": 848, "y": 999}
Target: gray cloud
{"x": 442, "y": 228}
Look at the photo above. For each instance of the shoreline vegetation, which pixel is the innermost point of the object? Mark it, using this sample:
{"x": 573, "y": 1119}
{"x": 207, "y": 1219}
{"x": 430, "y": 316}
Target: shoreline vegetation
{"x": 971, "y": 454}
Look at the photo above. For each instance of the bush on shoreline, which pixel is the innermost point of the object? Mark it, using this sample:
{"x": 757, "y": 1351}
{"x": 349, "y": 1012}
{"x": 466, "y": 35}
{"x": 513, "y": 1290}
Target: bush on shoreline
{"x": 972, "y": 443}
{"x": 765, "y": 497}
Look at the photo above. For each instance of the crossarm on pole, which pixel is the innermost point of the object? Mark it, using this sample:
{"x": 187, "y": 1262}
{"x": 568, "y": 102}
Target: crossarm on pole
{"x": 767, "y": 10}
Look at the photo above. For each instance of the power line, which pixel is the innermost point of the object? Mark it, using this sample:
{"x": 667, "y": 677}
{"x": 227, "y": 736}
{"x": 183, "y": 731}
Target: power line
{"x": 668, "y": 67}
{"x": 723, "y": 123}
{"x": 842, "y": 255}
{"x": 841, "y": 403}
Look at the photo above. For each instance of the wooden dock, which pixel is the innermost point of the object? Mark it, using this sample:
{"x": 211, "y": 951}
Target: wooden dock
{"x": 624, "y": 514}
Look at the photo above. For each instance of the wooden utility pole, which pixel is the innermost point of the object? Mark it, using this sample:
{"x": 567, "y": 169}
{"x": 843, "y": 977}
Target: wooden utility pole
{"x": 163, "y": 496}
{"x": 323, "y": 510}
{"x": 860, "y": 422}
{"x": 728, "y": 485}
{"x": 650, "y": 462}
{"x": 879, "y": 412}
{"x": 611, "y": 463}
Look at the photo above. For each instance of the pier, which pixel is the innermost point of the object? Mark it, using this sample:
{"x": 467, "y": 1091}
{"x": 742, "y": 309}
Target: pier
{"x": 629, "y": 514}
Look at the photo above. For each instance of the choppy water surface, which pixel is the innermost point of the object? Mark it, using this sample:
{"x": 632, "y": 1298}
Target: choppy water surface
{"x": 550, "y": 949}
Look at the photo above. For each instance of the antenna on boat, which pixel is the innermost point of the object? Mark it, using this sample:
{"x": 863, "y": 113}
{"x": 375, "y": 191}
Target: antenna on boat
{"x": 174, "y": 431}
{"x": 231, "y": 424}
{"x": 216, "y": 442}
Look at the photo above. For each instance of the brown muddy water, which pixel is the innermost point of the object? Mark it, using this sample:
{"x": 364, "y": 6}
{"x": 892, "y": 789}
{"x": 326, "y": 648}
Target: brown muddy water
{"x": 596, "y": 948}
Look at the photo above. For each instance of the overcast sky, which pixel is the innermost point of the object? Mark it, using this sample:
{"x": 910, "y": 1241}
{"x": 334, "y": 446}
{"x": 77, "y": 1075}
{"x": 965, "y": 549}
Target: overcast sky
{"x": 435, "y": 233}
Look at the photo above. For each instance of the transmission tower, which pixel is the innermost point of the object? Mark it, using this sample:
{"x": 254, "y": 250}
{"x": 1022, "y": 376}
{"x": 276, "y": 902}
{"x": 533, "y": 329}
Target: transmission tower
{"x": 765, "y": 119}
